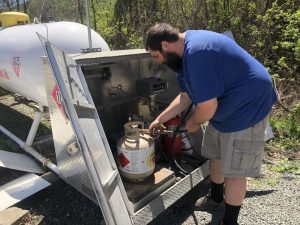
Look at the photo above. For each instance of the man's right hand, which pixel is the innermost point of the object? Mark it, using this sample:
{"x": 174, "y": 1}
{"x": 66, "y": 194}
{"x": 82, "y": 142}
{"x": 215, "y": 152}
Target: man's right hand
{"x": 154, "y": 124}
{"x": 155, "y": 128}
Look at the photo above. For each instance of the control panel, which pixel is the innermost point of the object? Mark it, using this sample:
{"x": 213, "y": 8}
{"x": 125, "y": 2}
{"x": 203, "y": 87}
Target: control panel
{"x": 150, "y": 86}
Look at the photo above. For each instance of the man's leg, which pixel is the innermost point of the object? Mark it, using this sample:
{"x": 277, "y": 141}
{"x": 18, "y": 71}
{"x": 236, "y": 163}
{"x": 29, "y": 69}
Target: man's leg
{"x": 211, "y": 150}
{"x": 217, "y": 180}
{"x": 242, "y": 154}
{"x": 215, "y": 198}
{"x": 235, "y": 191}
{"x": 215, "y": 171}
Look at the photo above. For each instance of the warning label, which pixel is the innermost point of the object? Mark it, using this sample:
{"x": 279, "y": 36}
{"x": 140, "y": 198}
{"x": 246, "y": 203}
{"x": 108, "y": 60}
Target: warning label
{"x": 3, "y": 74}
{"x": 137, "y": 161}
{"x": 123, "y": 160}
{"x": 16, "y": 65}
{"x": 58, "y": 100}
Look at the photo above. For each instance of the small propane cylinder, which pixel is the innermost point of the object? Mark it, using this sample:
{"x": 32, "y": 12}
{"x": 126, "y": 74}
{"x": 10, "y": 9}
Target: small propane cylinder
{"x": 136, "y": 155}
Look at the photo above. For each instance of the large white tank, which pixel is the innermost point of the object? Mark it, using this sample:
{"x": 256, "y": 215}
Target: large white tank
{"x": 21, "y": 50}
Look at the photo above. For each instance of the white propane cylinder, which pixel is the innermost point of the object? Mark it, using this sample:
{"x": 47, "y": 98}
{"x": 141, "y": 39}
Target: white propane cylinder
{"x": 136, "y": 154}
{"x": 21, "y": 50}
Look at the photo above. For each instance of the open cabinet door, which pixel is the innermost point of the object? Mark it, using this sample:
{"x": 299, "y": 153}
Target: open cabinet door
{"x": 83, "y": 154}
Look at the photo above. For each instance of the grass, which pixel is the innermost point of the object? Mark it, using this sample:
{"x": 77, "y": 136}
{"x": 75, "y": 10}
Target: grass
{"x": 286, "y": 166}
{"x": 286, "y": 128}
{"x": 284, "y": 149}
{"x": 260, "y": 182}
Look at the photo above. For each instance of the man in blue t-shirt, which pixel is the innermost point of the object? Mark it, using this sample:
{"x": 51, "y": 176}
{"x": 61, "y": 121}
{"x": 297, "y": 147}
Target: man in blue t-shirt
{"x": 228, "y": 88}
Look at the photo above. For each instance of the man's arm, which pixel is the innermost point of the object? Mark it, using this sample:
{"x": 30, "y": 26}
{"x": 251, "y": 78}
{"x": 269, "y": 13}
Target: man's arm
{"x": 203, "y": 112}
{"x": 180, "y": 103}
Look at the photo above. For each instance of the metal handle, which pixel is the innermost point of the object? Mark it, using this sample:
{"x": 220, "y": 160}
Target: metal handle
{"x": 132, "y": 129}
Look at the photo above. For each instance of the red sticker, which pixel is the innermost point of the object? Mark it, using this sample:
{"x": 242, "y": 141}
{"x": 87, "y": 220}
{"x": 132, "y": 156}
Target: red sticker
{"x": 58, "y": 100}
{"x": 4, "y": 74}
{"x": 123, "y": 160}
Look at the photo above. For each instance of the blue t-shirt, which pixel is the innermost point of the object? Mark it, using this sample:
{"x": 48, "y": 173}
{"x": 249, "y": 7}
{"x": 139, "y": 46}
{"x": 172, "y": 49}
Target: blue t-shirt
{"x": 215, "y": 66}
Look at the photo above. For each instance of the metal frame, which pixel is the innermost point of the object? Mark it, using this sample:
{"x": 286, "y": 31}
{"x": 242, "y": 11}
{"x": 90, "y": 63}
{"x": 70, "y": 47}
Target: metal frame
{"x": 110, "y": 198}
{"x": 26, "y": 146}
{"x": 170, "y": 196}
{"x": 100, "y": 195}
{"x": 88, "y": 24}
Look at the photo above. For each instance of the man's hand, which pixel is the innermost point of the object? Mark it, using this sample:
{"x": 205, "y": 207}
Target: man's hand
{"x": 155, "y": 128}
{"x": 154, "y": 124}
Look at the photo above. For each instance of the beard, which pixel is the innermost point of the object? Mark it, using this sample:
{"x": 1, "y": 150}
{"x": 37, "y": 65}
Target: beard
{"x": 172, "y": 60}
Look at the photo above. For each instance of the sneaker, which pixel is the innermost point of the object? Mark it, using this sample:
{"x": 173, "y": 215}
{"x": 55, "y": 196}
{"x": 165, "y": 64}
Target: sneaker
{"x": 206, "y": 203}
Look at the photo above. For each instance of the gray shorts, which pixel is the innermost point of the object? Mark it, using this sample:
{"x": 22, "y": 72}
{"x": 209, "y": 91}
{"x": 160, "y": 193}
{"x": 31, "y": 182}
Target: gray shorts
{"x": 240, "y": 152}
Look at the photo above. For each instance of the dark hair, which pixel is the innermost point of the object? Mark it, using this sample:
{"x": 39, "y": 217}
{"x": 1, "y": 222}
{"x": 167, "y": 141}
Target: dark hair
{"x": 158, "y": 33}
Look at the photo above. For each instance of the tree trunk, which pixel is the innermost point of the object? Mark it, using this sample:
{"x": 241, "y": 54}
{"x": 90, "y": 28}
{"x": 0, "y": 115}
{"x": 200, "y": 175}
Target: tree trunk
{"x": 79, "y": 7}
{"x": 54, "y": 10}
{"x": 24, "y": 5}
{"x": 268, "y": 5}
{"x": 7, "y": 4}
{"x": 94, "y": 15}
{"x": 18, "y": 5}
{"x": 206, "y": 15}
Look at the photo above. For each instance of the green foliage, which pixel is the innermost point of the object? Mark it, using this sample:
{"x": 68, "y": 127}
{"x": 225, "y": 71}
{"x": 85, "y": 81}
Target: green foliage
{"x": 284, "y": 166}
{"x": 260, "y": 182}
{"x": 287, "y": 131}
{"x": 288, "y": 124}
{"x": 280, "y": 38}
{"x": 105, "y": 22}
{"x": 57, "y": 10}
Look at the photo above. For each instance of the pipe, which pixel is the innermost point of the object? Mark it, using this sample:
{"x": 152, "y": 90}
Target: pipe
{"x": 30, "y": 150}
{"x": 34, "y": 127}
{"x": 88, "y": 23}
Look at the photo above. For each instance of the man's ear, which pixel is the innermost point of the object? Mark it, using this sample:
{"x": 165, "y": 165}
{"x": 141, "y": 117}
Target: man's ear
{"x": 165, "y": 45}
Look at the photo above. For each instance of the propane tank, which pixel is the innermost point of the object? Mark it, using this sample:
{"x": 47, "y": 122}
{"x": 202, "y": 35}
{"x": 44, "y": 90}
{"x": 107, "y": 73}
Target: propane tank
{"x": 21, "y": 69}
{"x": 136, "y": 154}
{"x": 168, "y": 139}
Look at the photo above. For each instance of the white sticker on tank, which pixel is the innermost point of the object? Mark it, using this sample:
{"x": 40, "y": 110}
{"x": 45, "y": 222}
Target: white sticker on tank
{"x": 137, "y": 161}
{"x": 16, "y": 65}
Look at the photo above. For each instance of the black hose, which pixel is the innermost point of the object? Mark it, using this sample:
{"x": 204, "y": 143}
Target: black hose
{"x": 177, "y": 131}
{"x": 180, "y": 131}
{"x": 162, "y": 149}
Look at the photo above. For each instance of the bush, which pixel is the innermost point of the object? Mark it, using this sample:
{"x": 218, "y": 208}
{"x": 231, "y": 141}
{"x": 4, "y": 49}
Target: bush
{"x": 287, "y": 131}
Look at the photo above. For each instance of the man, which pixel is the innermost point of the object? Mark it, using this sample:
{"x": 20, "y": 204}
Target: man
{"x": 231, "y": 90}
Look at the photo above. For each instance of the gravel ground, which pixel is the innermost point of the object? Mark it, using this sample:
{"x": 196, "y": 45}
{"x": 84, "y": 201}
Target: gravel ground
{"x": 272, "y": 199}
